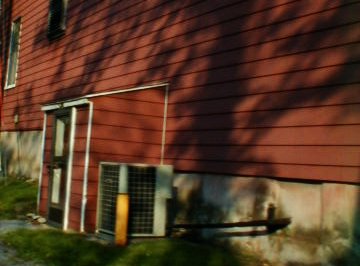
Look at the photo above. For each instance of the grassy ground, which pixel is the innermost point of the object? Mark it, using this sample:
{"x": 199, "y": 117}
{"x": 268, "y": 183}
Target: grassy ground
{"x": 53, "y": 247}
{"x": 17, "y": 198}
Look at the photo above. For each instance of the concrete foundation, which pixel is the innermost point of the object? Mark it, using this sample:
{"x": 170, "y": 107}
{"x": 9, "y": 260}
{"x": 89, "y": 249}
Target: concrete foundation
{"x": 325, "y": 227}
{"x": 20, "y": 154}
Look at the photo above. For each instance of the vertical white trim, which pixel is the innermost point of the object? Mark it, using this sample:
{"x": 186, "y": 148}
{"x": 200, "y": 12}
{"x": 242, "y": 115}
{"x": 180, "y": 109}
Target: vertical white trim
{"x": 123, "y": 176}
{"x": 69, "y": 168}
{"x": 163, "y": 137}
{"x": 163, "y": 192}
{"x": 41, "y": 161}
{"x": 98, "y": 205}
{"x": 86, "y": 168}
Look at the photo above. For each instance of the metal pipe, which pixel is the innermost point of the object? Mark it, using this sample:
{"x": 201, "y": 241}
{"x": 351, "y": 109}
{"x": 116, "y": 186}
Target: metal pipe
{"x": 267, "y": 222}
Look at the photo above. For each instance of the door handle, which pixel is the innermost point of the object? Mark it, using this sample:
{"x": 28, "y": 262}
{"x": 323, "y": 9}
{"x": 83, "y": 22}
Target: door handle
{"x": 55, "y": 165}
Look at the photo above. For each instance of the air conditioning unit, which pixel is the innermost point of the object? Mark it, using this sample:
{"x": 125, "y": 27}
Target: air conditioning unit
{"x": 149, "y": 188}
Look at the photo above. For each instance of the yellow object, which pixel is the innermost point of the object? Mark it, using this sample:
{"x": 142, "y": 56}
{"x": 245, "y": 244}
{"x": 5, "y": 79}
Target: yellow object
{"x": 122, "y": 218}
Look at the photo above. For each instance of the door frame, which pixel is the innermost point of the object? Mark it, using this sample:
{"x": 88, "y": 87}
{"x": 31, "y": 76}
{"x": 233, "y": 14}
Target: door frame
{"x": 86, "y": 100}
{"x": 48, "y": 110}
{"x": 71, "y": 111}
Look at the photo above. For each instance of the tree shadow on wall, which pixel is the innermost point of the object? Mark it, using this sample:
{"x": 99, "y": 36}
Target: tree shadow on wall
{"x": 255, "y": 88}
{"x": 239, "y": 78}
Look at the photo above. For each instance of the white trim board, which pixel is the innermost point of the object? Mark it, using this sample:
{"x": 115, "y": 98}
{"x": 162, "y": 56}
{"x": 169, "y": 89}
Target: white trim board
{"x": 69, "y": 169}
{"x": 70, "y": 103}
{"x": 43, "y": 137}
{"x": 84, "y": 99}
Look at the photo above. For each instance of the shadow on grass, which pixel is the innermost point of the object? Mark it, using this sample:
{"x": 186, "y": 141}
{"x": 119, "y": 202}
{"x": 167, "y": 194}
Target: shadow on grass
{"x": 56, "y": 248}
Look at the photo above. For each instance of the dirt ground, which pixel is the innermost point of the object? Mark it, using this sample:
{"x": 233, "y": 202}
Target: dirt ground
{"x": 8, "y": 258}
{"x": 8, "y": 255}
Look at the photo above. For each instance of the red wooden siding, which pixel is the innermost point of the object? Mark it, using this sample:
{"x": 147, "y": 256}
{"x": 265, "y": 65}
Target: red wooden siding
{"x": 44, "y": 190}
{"x": 126, "y": 128}
{"x": 261, "y": 88}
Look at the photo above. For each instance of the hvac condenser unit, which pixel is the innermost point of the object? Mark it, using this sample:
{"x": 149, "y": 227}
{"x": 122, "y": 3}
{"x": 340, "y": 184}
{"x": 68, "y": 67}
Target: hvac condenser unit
{"x": 149, "y": 189}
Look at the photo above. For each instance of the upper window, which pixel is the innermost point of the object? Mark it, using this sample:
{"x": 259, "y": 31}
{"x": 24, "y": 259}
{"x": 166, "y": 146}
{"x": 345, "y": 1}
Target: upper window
{"x": 57, "y": 18}
{"x": 13, "y": 54}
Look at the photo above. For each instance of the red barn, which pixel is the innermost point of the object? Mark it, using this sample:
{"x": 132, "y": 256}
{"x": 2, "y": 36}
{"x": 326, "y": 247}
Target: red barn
{"x": 202, "y": 111}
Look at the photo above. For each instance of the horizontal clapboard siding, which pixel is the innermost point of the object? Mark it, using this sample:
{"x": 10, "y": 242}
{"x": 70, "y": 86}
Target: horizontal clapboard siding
{"x": 64, "y": 51}
{"x": 44, "y": 186}
{"x": 297, "y": 117}
{"x": 127, "y": 127}
{"x": 294, "y": 171}
{"x": 259, "y": 88}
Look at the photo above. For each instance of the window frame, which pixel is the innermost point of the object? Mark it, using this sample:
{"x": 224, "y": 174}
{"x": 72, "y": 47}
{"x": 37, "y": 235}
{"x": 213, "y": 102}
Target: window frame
{"x": 7, "y": 85}
{"x": 60, "y": 27}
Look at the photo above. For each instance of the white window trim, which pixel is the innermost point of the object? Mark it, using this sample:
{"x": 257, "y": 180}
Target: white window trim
{"x": 7, "y": 86}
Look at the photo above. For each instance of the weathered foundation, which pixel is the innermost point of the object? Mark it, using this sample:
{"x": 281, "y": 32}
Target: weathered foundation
{"x": 20, "y": 153}
{"x": 325, "y": 217}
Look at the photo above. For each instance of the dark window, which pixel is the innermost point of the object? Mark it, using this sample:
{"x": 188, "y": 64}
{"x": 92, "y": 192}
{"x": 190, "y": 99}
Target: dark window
{"x": 57, "y": 18}
{"x": 13, "y": 54}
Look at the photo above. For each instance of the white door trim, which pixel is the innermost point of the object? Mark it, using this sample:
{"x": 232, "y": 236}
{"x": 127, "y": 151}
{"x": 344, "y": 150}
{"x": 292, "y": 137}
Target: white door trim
{"x": 69, "y": 169}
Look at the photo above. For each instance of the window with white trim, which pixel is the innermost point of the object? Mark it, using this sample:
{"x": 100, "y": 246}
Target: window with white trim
{"x": 148, "y": 188}
{"x": 13, "y": 54}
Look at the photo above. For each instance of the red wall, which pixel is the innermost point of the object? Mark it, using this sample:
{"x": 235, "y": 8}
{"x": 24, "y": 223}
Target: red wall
{"x": 259, "y": 88}
{"x": 126, "y": 128}
{"x": 44, "y": 187}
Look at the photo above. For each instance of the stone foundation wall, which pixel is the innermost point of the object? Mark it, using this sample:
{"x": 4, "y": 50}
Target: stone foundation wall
{"x": 20, "y": 154}
{"x": 325, "y": 218}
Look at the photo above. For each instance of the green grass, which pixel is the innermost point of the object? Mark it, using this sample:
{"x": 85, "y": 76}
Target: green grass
{"x": 17, "y": 197}
{"x": 53, "y": 247}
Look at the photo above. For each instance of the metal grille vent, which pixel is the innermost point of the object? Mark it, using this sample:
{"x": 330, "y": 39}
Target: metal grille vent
{"x": 108, "y": 192}
{"x": 141, "y": 188}
{"x": 140, "y": 184}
